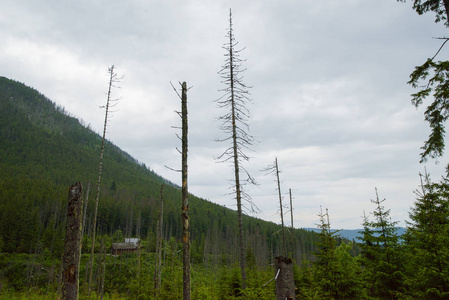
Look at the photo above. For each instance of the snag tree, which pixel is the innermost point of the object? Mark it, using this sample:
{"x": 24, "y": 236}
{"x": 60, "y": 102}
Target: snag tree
{"x": 234, "y": 124}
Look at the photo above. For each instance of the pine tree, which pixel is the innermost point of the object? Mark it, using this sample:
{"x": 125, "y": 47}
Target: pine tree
{"x": 436, "y": 73}
{"x": 427, "y": 241}
{"x": 382, "y": 254}
{"x": 335, "y": 271}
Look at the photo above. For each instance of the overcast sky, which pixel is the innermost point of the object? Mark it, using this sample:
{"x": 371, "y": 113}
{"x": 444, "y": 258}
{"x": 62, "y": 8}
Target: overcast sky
{"x": 330, "y": 94}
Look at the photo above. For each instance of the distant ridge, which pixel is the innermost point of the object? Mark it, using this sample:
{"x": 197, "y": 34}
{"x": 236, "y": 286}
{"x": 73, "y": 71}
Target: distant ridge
{"x": 352, "y": 234}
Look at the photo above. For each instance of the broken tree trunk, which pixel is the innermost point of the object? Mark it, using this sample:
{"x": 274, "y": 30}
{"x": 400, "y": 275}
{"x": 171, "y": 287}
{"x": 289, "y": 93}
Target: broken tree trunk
{"x": 285, "y": 284}
{"x": 72, "y": 249}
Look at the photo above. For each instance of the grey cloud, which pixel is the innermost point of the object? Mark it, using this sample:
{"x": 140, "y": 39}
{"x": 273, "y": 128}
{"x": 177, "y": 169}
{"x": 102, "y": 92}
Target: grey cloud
{"x": 330, "y": 93}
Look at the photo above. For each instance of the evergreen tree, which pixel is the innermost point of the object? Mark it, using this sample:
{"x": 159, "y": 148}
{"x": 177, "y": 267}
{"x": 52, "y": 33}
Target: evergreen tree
{"x": 382, "y": 254}
{"x": 427, "y": 240}
{"x": 436, "y": 73}
{"x": 335, "y": 270}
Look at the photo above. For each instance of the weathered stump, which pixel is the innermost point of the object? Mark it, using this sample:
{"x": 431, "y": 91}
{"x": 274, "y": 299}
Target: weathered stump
{"x": 285, "y": 284}
{"x": 72, "y": 248}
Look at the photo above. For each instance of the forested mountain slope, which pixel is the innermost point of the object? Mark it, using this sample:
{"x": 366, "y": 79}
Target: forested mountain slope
{"x": 44, "y": 150}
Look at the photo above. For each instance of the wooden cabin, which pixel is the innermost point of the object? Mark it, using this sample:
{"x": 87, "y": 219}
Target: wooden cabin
{"x": 130, "y": 245}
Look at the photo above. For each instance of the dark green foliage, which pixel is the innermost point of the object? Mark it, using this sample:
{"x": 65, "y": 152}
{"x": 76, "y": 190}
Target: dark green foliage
{"x": 427, "y": 241}
{"x": 335, "y": 270}
{"x": 382, "y": 255}
{"x": 437, "y": 74}
{"x": 437, "y": 86}
{"x": 439, "y": 7}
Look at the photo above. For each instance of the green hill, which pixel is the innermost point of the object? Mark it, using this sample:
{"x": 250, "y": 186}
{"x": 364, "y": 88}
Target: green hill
{"x": 44, "y": 150}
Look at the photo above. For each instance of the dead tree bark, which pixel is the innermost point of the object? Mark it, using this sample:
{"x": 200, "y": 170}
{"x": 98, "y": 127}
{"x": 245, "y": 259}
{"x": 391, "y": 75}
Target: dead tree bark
{"x": 285, "y": 284}
{"x": 72, "y": 249}
{"x": 113, "y": 78}
{"x": 185, "y": 198}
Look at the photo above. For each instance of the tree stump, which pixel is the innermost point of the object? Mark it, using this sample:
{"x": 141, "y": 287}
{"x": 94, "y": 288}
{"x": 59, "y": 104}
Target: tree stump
{"x": 72, "y": 248}
{"x": 285, "y": 284}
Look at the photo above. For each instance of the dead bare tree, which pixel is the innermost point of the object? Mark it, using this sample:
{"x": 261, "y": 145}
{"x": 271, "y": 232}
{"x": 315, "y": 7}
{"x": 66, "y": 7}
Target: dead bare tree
{"x": 234, "y": 123}
{"x": 185, "y": 193}
{"x": 110, "y": 103}
{"x": 185, "y": 199}
{"x": 292, "y": 232}
{"x": 270, "y": 170}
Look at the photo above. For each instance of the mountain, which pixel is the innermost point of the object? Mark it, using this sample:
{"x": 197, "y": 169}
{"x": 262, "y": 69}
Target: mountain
{"x": 44, "y": 150}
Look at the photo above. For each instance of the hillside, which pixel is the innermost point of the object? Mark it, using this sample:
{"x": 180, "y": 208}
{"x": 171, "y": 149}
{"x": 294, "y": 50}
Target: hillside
{"x": 44, "y": 150}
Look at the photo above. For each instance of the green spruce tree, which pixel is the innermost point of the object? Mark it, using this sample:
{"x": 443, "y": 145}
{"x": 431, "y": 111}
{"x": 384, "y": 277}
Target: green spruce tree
{"x": 382, "y": 254}
{"x": 427, "y": 240}
{"x": 335, "y": 270}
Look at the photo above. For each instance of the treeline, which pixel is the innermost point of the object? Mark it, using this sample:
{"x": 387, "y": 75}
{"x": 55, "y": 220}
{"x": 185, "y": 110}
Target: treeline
{"x": 381, "y": 265}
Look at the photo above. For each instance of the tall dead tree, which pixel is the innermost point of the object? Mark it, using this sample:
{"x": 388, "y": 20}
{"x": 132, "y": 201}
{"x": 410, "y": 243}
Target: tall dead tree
{"x": 72, "y": 249}
{"x": 185, "y": 198}
{"x": 292, "y": 233}
{"x": 113, "y": 79}
{"x": 280, "y": 206}
{"x": 275, "y": 169}
{"x": 185, "y": 194}
{"x": 235, "y": 125}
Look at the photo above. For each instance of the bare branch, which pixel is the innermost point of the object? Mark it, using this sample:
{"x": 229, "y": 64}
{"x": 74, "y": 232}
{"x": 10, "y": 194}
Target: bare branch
{"x": 441, "y": 47}
{"x": 175, "y": 90}
{"x": 175, "y": 170}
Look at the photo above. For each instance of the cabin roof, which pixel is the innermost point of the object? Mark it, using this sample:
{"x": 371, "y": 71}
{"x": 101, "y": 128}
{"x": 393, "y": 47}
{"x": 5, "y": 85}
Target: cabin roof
{"x": 124, "y": 246}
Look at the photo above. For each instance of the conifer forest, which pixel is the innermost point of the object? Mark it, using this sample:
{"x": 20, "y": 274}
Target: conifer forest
{"x": 82, "y": 219}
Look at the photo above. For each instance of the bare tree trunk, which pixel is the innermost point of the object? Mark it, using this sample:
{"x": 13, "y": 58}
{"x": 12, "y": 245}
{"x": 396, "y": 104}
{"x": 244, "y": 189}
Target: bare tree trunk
{"x": 292, "y": 228}
{"x": 72, "y": 249}
{"x": 239, "y": 201}
{"x": 285, "y": 284}
{"x": 85, "y": 213}
{"x": 281, "y": 208}
{"x": 185, "y": 198}
{"x": 159, "y": 237}
{"x": 291, "y": 207}
{"x": 112, "y": 79}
